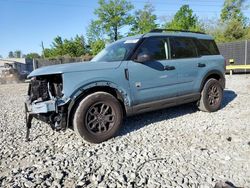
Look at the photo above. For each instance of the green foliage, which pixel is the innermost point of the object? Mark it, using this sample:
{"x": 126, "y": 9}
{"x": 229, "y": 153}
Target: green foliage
{"x": 113, "y": 15}
{"x": 97, "y": 46}
{"x": 247, "y": 33}
{"x": 74, "y": 47}
{"x": 233, "y": 20}
{"x": 48, "y": 53}
{"x": 232, "y": 10}
{"x": 144, "y": 20}
{"x": 33, "y": 56}
{"x": 234, "y": 30}
{"x": 95, "y": 32}
{"x": 57, "y": 46}
{"x": 185, "y": 19}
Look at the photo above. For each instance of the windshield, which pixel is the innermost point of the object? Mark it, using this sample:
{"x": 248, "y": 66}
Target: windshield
{"x": 117, "y": 51}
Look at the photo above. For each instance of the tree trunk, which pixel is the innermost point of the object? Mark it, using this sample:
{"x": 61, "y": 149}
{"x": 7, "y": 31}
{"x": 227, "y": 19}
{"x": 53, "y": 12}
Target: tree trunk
{"x": 116, "y": 33}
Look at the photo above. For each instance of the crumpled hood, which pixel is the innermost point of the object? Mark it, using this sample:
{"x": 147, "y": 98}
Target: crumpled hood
{"x": 73, "y": 67}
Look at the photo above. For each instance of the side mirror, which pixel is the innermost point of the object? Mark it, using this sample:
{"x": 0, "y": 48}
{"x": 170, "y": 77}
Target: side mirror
{"x": 143, "y": 57}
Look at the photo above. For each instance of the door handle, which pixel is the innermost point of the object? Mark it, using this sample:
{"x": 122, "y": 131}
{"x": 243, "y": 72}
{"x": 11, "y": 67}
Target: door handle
{"x": 168, "y": 68}
{"x": 201, "y": 65}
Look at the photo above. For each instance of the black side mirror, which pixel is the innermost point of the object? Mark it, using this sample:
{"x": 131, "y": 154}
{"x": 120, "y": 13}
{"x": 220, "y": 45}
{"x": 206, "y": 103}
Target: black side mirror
{"x": 143, "y": 57}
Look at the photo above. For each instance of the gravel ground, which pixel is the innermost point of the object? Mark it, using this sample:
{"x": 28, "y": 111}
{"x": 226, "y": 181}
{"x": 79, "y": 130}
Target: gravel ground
{"x": 176, "y": 147}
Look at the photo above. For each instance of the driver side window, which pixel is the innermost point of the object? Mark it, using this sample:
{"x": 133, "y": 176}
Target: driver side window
{"x": 157, "y": 48}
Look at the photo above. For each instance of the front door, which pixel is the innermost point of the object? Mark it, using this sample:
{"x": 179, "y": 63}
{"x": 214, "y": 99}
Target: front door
{"x": 156, "y": 79}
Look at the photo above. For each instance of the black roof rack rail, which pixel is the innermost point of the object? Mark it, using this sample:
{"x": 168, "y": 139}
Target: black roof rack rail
{"x": 175, "y": 30}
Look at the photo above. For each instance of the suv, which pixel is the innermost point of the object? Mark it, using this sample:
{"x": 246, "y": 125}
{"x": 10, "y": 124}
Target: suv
{"x": 130, "y": 76}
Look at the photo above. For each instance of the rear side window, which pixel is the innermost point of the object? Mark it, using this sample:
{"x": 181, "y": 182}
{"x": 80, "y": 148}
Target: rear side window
{"x": 182, "y": 48}
{"x": 207, "y": 47}
{"x": 156, "y": 47}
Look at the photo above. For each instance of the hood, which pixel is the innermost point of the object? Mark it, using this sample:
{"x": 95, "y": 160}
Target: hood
{"x": 73, "y": 67}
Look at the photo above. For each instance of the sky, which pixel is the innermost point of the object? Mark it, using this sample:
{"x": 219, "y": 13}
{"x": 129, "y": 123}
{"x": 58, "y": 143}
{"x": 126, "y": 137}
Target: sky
{"x": 24, "y": 24}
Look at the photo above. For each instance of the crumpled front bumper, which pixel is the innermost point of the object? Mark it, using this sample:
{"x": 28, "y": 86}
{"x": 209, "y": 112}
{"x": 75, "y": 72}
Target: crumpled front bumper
{"x": 41, "y": 107}
{"x": 34, "y": 109}
{"x": 51, "y": 112}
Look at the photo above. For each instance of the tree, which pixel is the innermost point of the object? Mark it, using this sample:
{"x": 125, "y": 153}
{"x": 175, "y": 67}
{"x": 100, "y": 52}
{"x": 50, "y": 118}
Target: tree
{"x": 17, "y": 54}
{"x": 232, "y": 10}
{"x": 248, "y": 33}
{"x": 97, "y": 46}
{"x": 234, "y": 20}
{"x": 113, "y": 15}
{"x": 11, "y": 54}
{"x": 234, "y": 30}
{"x": 74, "y": 47}
{"x": 95, "y": 32}
{"x": 49, "y": 53}
{"x": 214, "y": 27}
{"x": 144, "y": 20}
{"x": 32, "y": 55}
{"x": 80, "y": 46}
{"x": 95, "y": 35}
{"x": 57, "y": 45}
{"x": 185, "y": 19}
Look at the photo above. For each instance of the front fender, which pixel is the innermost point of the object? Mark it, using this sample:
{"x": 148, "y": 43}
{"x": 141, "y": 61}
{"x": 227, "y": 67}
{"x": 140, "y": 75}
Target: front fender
{"x": 103, "y": 83}
{"x": 78, "y": 93}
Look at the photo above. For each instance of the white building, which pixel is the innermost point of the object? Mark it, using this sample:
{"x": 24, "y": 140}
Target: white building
{"x": 22, "y": 65}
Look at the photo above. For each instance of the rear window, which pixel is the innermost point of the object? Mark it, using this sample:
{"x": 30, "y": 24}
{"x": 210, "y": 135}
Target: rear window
{"x": 207, "y": 47}
{"x": 182, "y": 48}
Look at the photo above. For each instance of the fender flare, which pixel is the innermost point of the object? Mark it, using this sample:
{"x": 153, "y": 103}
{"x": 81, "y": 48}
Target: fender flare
{"x": 211, "y": 72}
{"x": 80, "y": 92}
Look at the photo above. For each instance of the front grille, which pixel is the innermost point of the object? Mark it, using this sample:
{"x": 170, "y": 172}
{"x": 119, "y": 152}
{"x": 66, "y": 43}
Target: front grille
{"x": 38, "y": 89}
{"x": 44, "y": 87}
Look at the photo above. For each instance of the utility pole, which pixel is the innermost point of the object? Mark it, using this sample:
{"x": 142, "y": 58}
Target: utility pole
{"x": 43, "y": 49}
{"x": 246, "y": 54}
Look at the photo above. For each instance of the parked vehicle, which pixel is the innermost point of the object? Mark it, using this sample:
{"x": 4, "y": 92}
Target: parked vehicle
{"x": 133, "y": 75}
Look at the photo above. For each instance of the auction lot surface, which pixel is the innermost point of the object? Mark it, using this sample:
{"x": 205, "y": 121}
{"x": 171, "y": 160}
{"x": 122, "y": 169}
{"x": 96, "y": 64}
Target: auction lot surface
{"x": 176, "y": 147}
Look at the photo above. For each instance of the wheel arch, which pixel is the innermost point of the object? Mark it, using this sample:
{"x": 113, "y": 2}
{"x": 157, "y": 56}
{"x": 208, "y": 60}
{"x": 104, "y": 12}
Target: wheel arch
{"x": 216, "y": 75}
{"x": 107, "y": 87}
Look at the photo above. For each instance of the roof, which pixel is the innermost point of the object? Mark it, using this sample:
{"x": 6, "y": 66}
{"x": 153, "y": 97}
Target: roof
{"x": 180, "y": 34}
{"x": 169, "y": 33}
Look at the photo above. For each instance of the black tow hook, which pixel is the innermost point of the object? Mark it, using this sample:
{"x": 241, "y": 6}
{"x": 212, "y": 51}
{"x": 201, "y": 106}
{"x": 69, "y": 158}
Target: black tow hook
{"x": 28, "y": 118}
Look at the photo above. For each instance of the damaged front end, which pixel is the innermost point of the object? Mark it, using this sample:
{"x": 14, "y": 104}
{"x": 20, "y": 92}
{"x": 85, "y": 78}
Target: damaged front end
{"x": 45, "y": 102}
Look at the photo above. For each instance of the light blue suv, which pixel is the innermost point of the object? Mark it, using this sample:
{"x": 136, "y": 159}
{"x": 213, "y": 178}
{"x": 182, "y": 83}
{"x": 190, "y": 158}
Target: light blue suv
{"x": 130, "y": 76}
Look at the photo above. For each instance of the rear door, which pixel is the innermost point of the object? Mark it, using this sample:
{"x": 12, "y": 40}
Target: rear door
{"x": 152, "y": 81}
{"x": 184, "y": 56}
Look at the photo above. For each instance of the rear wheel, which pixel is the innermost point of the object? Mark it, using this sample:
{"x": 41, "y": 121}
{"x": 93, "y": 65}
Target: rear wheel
{"x": 98, "y": 117}
{"x": 211, "y": 96}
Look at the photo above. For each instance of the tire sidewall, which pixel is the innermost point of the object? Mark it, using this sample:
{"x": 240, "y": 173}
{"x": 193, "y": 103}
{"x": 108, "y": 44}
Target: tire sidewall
{"x": 80, "y": 114}
{"x": 204, "y": 96}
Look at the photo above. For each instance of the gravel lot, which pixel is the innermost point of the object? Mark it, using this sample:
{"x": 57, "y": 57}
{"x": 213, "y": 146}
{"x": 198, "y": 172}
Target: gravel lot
{"x": 176, "y": 147}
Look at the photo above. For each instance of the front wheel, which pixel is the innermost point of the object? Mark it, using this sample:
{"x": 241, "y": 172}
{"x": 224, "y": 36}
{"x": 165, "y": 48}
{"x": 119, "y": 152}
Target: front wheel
{"x": 98, "y": 117}
{"x": 211, "y": 96}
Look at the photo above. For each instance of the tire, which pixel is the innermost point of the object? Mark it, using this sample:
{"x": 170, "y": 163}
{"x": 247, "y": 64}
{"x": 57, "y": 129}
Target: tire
{"x": 98, "y": 117}
{"x": 211, "y": 96}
